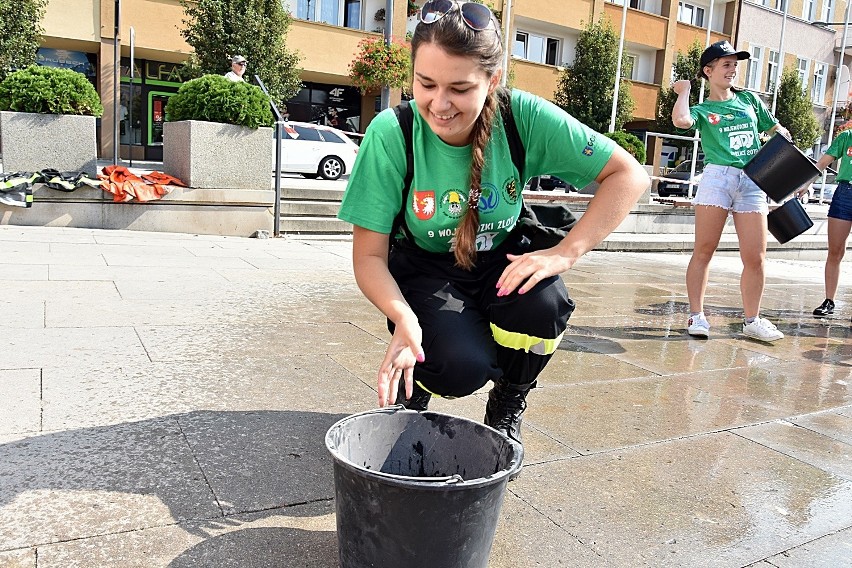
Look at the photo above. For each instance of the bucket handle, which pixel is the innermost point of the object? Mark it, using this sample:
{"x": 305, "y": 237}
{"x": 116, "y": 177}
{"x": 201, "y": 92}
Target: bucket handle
{"x": 449, "y": 480}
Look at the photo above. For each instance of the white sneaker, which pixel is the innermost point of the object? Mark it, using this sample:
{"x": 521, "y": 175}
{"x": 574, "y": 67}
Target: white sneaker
{"x": 698, "y": 326}
{"x": 762, "y": 329}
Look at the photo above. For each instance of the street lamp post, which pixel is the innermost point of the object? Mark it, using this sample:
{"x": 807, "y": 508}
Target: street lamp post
{"x": 508, "y": 40}
{"x": 697, "y": 136}
{"x": 116, "y": 79}
{"x": 385, "y": 99}
{"x": 618, "y": 67}
{"x": 780, "y": 64}
{"x": 845, "y": 24}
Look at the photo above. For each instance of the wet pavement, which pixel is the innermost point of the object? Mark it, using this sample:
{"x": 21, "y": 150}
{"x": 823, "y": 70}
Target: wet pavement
{"x": 164, "y": 398}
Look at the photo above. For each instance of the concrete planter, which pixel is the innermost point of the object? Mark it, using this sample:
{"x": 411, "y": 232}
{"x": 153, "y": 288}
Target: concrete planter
{"x": 213, "y": 155}
{"x": 32, "y": 142}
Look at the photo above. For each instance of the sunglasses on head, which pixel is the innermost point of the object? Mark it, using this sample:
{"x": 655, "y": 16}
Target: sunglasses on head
{"x": 242, "y": 63}
{"x": 475, "y": 16}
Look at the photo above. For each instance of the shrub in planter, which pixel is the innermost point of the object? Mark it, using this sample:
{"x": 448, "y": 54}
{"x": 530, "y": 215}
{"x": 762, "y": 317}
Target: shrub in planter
{"x": 631, "y": 143}
{"x": 48, "y": 90}
{"x": 47, "y": 120}
{"x": 213, "y": 98}
{"x": 209, "y": 121}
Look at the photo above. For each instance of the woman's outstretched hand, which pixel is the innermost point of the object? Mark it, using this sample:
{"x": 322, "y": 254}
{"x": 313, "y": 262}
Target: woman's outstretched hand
{"x": 527, "y": 270}
{"x": 403, "y": 352}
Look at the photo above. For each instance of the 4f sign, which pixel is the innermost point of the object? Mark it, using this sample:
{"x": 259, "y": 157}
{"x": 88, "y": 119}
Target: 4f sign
{"x": 336, "y": 93}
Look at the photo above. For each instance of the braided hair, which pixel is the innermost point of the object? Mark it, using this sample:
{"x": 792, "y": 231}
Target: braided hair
{"x": 452, "y": 35}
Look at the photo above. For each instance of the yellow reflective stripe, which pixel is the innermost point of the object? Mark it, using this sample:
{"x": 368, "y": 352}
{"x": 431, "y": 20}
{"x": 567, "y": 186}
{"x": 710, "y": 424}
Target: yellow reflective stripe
{"x": 529, "y": 343}
{"x": 433, "y": 394}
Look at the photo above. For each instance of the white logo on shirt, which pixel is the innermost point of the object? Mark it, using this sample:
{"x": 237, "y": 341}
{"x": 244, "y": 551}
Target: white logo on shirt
{"x": 485, "y": 241}
{"x": 741, "y": 140}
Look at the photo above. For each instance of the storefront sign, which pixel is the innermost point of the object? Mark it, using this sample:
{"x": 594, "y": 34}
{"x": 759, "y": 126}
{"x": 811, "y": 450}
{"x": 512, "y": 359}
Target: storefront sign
{"x": 159, "y": 71}
{"x": 65, "y": 59}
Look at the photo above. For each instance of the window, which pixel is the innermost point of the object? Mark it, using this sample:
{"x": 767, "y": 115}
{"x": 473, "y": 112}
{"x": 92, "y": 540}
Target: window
{"x": 771, "y": 70}
{"x": 536, "y": 48}
{"x": 327, "y": 11}
{"x": 330, "y": 136}
{"x": 827, "y": 11}
{"x": 551, "y": 51}
{"x": 808, "y": 10}
{"x": 690, "y": 14}
{"x": 629, "y": 66}
{"x": 818, "y": 88}
{"x": 352, "y": 14}
{"x": 306, "y": 134}
{"x": 755, "y": 68}
{"x": 802, "y": 68}
{"x": 637, "y": 4}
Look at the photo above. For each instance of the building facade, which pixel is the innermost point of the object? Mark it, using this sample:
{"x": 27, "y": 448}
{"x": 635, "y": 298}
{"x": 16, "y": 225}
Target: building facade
{"x": 543, "y": 37}
{"x": 805, "y": 35}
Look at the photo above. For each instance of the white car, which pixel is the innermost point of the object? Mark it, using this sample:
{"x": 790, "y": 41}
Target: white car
{"x": 315, "y": 150}
{"x": 827, "y": 192}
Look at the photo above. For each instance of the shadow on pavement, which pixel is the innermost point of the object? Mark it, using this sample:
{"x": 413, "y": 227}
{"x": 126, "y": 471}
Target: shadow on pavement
{"x": 210, "y": 471}
{"x": 262, "y": 547}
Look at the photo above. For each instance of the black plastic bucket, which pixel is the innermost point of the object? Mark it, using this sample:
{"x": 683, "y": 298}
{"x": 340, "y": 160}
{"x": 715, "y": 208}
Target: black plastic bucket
{"x": 788, "y": 221}
{"x": 418, "y": 489}
{"x": 779, "y": 168}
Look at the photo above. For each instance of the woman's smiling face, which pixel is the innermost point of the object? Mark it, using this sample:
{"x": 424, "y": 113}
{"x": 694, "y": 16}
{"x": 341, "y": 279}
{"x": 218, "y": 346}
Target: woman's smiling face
{"x": 450, "y": 91}
{"x": 723, "y": 71}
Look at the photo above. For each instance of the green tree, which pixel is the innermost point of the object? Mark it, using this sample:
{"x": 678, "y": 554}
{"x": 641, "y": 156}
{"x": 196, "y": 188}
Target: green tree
{"x": 20, "y": 33}
{"x": 685, "y": 67}
{"x": 585, "y": 89}
{"x": 256, "y": 29}
{"x": 795, "y": 111}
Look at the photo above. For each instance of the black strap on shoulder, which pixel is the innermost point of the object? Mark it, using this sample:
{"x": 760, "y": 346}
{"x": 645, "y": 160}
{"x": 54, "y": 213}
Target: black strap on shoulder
{"x": 405, "y": 116}
{"x": 513, "y": 137}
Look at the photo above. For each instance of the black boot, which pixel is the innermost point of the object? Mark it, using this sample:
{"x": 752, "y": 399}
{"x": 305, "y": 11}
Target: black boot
{"x": 506, "y": 405}
{"x": 419, "y": 400}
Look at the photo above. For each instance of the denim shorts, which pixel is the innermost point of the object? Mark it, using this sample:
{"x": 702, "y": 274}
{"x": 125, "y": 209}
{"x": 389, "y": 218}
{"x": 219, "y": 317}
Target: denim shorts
{"x": 841, "y": 202}
{"x": 730, "y": 188}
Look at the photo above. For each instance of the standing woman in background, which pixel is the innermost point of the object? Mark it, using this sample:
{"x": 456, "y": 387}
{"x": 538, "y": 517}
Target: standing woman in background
{"x": 465, "y": 302}
{"x": 839, "y": 216}
{"x": 730, "y": 121}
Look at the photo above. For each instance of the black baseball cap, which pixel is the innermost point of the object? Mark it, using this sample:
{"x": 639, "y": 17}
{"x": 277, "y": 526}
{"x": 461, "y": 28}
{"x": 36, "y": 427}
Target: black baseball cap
{"x": 717, "y": 50}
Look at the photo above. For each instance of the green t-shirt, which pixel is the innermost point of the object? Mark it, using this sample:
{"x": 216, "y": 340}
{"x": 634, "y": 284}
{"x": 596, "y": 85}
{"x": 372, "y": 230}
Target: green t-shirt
{"x": 729, "y": 129}
{"x": 841, "y": 148}
{"x": 555, "y": 144}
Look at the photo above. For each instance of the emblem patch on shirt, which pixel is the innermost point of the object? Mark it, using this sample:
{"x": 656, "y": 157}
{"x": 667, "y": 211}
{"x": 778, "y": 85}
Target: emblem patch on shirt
{"x": 452, "y": 203}
{"x": 489, "y": 199}
{"x": 510, "y": 189}
{"x": 713, "y": 118}
{"x": 423, "y": 204}
{"x": 849, "y": 151}
{"x": 590, "y": 147}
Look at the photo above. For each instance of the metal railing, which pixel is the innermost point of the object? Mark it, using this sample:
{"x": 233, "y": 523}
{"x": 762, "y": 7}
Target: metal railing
{"x": 691, "y": 180}
{"x": 279, "y": 123}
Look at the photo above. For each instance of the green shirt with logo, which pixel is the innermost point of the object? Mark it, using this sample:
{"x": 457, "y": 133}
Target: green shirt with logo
{"x": 841, "y": 148}
{"x": 729, "y": 129}
{"x": 554, "y": 141}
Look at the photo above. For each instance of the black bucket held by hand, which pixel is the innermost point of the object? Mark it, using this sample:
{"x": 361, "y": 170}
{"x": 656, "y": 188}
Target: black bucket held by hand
{"x": 788, "y": 221}
{"x": 779, "y": 168}
{"x": 418, "y": 489}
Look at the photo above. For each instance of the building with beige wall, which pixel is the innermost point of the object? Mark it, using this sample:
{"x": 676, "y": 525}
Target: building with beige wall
{"x": 543, "y": 38}
{"x": 807, "y": 46}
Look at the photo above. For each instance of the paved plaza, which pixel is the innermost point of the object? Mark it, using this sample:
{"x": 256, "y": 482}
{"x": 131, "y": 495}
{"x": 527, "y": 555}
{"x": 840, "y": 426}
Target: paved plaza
{"x": 164, "y": 399}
